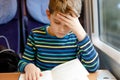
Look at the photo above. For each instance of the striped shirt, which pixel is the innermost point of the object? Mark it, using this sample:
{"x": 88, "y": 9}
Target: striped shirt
{"x": 47, "y": 51}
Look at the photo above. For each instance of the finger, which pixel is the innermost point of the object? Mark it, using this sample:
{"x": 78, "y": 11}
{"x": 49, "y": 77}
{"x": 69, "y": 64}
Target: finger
{"x": 62, "y": 18}
{"x": 65, "y": 21}
{"x": 26, "y": 77}
{"x": 73, "y": 15}
{"x": 37, "y": 76}
{"x": 33, "y": 76}
{"x": 65, "y": 16}
{"x": 41, "y": 74}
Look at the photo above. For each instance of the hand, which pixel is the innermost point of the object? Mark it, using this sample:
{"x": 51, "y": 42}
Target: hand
{"x": 32, "y": 72}
{"x": 73, "y": 23}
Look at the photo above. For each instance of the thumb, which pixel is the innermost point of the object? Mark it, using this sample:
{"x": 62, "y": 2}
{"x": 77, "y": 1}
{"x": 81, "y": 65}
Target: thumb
{"x": 41, "y": 74}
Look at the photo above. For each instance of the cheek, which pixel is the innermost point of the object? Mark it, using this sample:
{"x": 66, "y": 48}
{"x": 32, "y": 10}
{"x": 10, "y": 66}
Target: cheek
{"x": 67, "y": 29}
{"x": 54, "y": 27}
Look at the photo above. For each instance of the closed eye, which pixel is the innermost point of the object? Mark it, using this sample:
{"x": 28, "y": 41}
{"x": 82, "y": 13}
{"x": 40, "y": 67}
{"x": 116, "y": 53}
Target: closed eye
{"x": 57, "y": 22}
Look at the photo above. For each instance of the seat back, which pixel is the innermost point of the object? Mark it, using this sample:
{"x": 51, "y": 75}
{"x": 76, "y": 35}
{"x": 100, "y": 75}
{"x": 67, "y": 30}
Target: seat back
{"x": 33, "y": 15}
{"x": 9, "y": 24}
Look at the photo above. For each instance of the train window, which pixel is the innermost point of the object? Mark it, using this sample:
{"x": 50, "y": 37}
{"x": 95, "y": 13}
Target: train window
{"x": 105, "y": 26}
{"x": 109, "y": 22}
{"x": 102, "y": 22}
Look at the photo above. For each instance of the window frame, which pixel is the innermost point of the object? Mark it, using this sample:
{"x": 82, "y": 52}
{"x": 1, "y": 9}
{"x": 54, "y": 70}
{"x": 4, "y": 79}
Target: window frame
{"x": 92, "y": 22}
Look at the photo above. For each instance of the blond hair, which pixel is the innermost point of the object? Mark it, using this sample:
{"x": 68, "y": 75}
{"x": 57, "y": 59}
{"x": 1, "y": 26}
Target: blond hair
{"x": 65, "y": 6}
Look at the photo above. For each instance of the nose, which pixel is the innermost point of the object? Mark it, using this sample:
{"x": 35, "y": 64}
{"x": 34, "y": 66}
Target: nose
{"x": 62, "y": 28}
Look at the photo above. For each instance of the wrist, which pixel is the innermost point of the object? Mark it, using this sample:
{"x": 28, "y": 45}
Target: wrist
{"x": 81, "y": 35}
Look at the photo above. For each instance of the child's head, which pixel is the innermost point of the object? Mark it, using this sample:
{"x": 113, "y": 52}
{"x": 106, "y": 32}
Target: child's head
{"x": 65, "y": 6}
{"x": 59, "y": 27}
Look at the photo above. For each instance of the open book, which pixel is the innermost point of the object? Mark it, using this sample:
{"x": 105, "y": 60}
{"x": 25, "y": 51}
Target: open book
{"x": 71, "y": 70}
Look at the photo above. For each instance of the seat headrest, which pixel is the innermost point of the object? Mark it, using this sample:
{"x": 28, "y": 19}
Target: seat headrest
{"x": 37, "y": 9}
{"x": 8, "y": 10}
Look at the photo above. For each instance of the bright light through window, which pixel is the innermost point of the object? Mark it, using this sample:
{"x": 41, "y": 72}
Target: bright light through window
{"x": 109, "y": 22}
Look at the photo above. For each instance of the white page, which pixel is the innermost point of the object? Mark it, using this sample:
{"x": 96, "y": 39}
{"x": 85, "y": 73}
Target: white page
{"x": 47, "y": 75}
{"x": 71, "y": 70}
{"x": 22, "y": 77}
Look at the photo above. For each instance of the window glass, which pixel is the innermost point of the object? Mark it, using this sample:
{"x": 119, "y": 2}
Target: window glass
{"x": 109, "y": 22}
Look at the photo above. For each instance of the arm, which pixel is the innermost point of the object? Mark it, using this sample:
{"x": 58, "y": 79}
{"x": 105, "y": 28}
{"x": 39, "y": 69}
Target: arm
{"x": 86, "y": 51}
{"x": 88, "y": 55}
{"x": 29, "y": 54}
{"x": 26, "y": 64}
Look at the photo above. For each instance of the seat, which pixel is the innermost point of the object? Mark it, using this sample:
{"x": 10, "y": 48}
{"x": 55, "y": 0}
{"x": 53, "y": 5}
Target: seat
{"x": 33, "y": 15}
{"x": 9, "y": 24}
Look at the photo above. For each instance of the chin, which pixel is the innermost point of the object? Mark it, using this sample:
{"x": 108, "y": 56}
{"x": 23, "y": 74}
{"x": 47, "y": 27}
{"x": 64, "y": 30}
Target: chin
{"x": 60, "y": 36}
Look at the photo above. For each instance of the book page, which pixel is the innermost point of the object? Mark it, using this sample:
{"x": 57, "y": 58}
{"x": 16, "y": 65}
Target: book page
{"x": 71, "y": 70}
{"x": 22, "y": 77}
{"x": 46, "y": 76}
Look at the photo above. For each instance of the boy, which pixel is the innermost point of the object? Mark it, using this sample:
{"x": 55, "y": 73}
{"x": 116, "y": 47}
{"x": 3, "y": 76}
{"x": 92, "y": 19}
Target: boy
{"x": 63, "y": 40}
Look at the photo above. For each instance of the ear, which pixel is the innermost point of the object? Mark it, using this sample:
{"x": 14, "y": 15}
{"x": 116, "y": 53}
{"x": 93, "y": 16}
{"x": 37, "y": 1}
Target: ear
{"x": 48, "y": 14}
